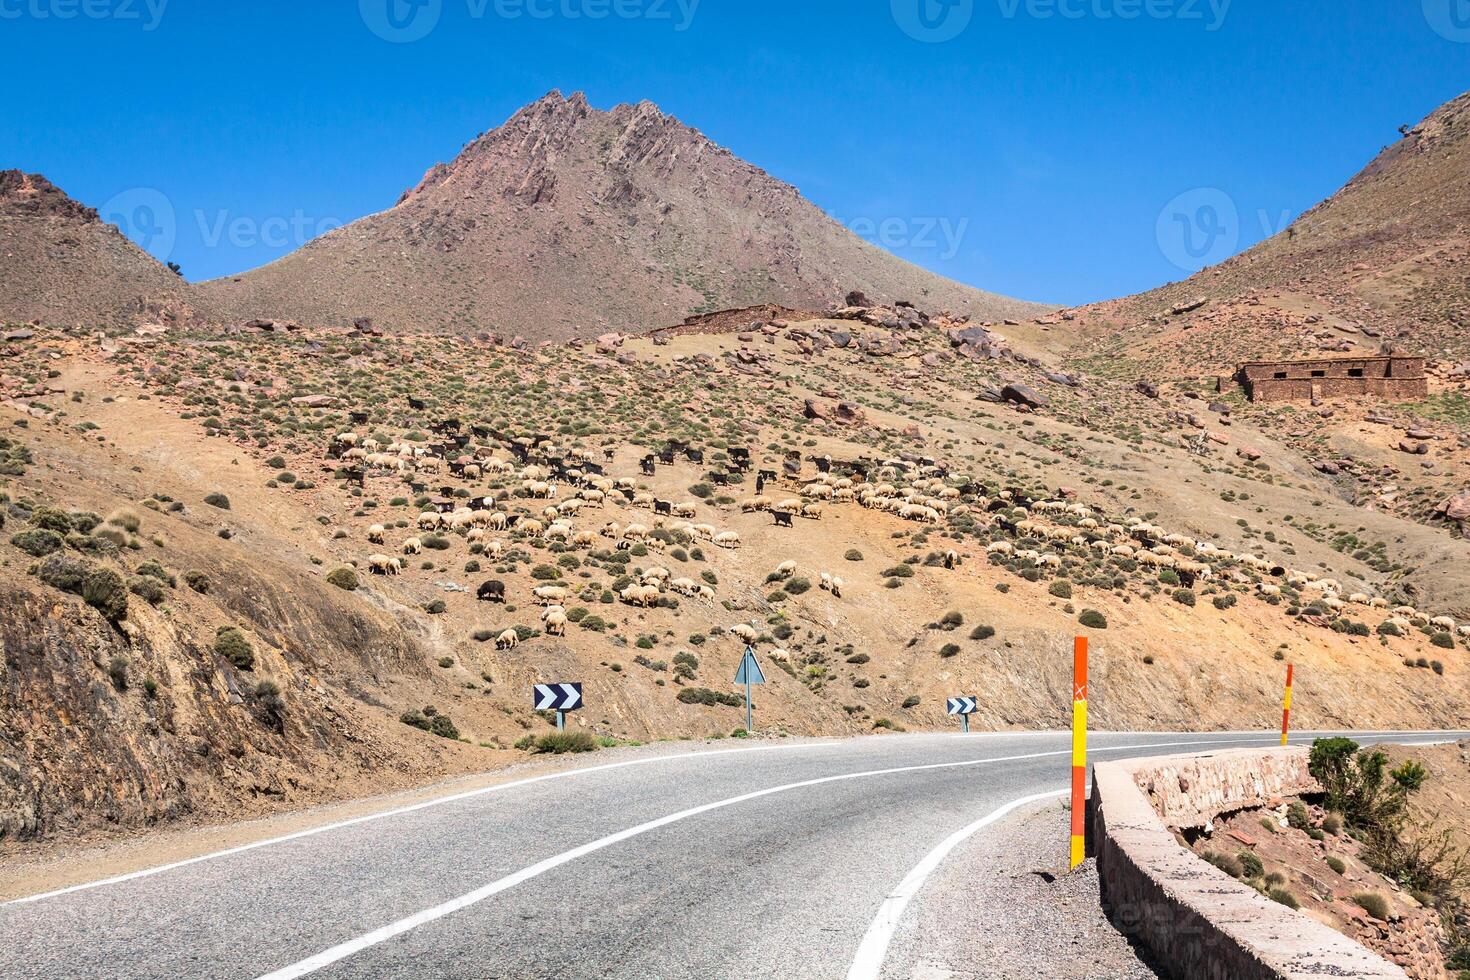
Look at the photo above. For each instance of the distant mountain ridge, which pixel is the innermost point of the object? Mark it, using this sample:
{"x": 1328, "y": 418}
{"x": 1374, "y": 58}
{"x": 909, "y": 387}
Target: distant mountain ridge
{"x": 61, "y": 264}
{"x": 569, "y": 221}
{"x": 1384, "y": 261}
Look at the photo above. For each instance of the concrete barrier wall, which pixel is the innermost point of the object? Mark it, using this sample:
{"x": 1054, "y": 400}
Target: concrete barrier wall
{"x": 1196, "y": 922}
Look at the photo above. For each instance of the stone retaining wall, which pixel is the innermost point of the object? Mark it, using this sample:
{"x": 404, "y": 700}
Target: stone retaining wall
{"x": 1196, "y": 921}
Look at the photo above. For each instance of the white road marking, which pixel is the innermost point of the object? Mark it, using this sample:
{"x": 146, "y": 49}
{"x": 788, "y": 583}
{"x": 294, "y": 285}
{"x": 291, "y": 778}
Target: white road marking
{"x": 353, "y": 946}
{"x": 868, "y": 964}
{"x": 400, "y": 811}
{"x": 502, "y": 787}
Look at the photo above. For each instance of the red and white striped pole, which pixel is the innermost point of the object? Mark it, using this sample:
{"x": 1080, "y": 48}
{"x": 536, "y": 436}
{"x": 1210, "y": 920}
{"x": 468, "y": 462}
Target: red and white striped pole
{"x": 1079, "y": 750}
{"x": 1286, "y": 711}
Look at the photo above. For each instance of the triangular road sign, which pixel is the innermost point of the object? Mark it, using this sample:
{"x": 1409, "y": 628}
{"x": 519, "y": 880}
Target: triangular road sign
{"x": 750, "y": 670}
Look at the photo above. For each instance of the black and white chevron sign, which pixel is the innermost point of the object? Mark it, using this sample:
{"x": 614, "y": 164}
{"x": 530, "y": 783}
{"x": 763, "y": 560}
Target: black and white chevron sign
{"x": 961, "y": 706}
{"x": 558, "y": 697}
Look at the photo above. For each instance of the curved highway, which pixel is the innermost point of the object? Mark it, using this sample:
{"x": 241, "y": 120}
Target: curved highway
{"x": 788, "y": 860}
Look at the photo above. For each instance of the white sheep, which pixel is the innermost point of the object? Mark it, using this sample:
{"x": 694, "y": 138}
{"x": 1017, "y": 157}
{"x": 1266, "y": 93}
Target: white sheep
{"x": 376, "y": 533}
{"x": 727, "y": 539}
{"x": 550, "y": 595}
{"x": 785, "y": 570}
{"x": 744, "y": 631}
{"x": 413, "y": 546}
{"x": 508, "y": 640}
{"x": 430, "y": 520}
{"x": 555, "y": 619}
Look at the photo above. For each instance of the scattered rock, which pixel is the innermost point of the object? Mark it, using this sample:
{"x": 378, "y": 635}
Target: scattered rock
{"x": 1024, "y": 395}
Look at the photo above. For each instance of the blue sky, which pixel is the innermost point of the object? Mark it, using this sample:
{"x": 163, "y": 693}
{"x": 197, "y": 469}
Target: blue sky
{"x": 1061, "y": 150}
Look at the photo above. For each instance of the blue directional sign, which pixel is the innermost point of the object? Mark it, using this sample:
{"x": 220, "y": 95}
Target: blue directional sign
{"x": 558, "y": 697}
{"x": 750, "y": 670}
{"x": 962, "y": 706}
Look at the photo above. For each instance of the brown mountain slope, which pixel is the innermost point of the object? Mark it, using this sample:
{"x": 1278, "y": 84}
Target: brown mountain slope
{"x": 569, "y": 221}
{"x": 1384, "y": 260}
{"x": 61, "y": 264}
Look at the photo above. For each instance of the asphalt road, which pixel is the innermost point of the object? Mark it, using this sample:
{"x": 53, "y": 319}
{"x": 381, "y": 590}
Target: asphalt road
{"x": 759, "y": 859}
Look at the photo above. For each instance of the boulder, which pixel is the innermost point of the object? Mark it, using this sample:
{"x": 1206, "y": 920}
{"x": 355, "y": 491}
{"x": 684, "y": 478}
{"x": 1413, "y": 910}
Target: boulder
{"x": 856, "y": 298}
{"x": 1248, "y": 453}
{"x": 1189, "y": 306}
{"x": 990, "y": 393}
{"x": 1020, "y": 394}
{"x": 1147, "y": 389}
{"x": 314, "y": 401}
{"x": 1414, "y": 448}
{"x": 1456, "y": 508}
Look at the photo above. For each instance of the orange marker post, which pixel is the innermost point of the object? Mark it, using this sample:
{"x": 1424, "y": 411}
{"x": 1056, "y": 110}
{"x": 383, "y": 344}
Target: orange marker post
{"x": 1079, "y": 751}
{"x": 1286, "y": 711}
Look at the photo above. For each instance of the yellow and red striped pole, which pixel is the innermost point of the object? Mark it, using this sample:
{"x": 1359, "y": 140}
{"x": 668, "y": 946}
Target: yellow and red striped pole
{"x": 1286, "y": 711}
{"x": 1079, "y": 751}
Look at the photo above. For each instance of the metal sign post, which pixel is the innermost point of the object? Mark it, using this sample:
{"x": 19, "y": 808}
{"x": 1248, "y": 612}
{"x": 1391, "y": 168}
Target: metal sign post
{"x": 560, "y": 698}
{"x": 964, "y": 707}
{"x": 748, "y": 674}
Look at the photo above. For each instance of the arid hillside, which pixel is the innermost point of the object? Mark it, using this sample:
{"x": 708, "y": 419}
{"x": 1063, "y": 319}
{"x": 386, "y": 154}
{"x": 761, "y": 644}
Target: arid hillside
{"x": 248, "y": 571}
{"x": 568, "y": 222}
{"x": 61, "y": 264}
{"x": 1384, "y": 261}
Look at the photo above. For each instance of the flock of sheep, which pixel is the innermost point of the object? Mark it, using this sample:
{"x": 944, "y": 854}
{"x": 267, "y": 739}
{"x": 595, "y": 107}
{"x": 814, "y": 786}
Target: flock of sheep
{"x": 929, "y": 498}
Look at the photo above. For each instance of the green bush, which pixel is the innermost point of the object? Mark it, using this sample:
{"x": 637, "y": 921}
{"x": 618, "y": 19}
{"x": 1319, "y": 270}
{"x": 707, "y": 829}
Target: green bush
{"x": 1443, "y": 640}
{"x": 1093, "y": 619}
{"x": 37, "y": 543}
{"x": 342, "y": 578}
{"x": 704, "y": 696}
{"x": 1185, "y": 597}
{"x": 104, "y": 590}
{"x": 63, "y": 572}
{"x": 218, "y": 500}
{"x": 1250, "y": 865}
{"x": 982, "y": 632}
{"x": 797, "y": 586}
{"x": 1284, "y": 897}
{"x": 1061, "y": 589}
{"x": 1225, "y": 863}
{"x": 560, "y": 743}
{"x": 1336, "y": 864}
{"x": 912, "y": 701}
{"x": 232, "y": 645}
{"x": 51, "y": 519}
{"x": 949, "y": 650}
{"x": 898, "y": 571}
{"x": 117, "y": 671}
{"x": 1374, "y": 904}
{"x": 1297, "y": 816}
{"x": 148, "y": 589}
{"x": 443, "y": 727}
{"x": 853, "y": 554}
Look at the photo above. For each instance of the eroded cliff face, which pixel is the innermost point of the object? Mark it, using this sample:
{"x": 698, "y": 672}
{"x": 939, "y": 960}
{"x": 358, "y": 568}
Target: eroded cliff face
{"x": 130, "y": 725}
